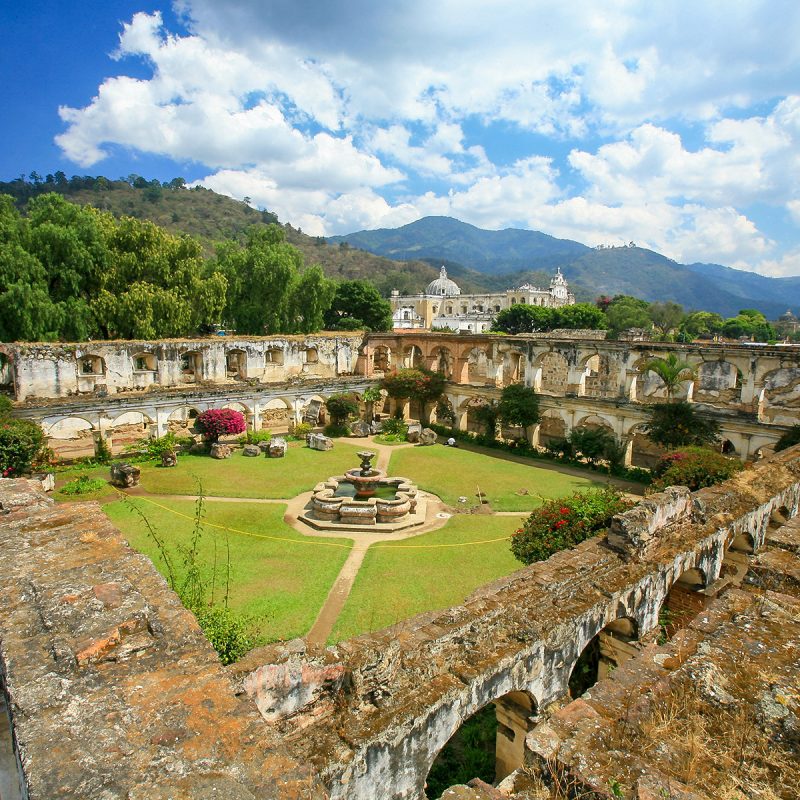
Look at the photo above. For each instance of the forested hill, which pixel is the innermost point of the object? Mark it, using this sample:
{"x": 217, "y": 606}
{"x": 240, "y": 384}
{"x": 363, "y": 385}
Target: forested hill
{"x": 212, "y": 217}
{"x": 614, "y": 270}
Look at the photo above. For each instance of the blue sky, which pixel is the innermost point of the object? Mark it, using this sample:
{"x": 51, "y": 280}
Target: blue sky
{"x": 674, "y": 125}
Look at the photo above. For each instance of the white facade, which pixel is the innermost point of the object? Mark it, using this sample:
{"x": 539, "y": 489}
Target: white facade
{"x": 442, "y": 305}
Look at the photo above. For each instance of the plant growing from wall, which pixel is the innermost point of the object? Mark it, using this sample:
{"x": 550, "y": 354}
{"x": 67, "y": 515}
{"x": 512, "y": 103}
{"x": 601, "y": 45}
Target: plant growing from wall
{"x": 672, "y": 370}
{"x": 218, "y": 422}
{"x": 563, "y": 523}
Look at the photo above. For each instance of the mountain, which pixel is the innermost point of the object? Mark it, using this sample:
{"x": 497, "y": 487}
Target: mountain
{"x": 492, "y": 252}
{"x": 611, "y": 270}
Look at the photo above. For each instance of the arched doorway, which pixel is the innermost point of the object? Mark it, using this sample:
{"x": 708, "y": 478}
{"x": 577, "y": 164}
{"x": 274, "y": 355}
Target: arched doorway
{"x": 612, "y": 646}
{"x": 684, "y": 601}
{"x": 488, "y": 745}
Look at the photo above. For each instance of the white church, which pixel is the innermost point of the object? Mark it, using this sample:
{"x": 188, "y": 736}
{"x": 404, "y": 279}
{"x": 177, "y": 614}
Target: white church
{"x": 442, "y": 306}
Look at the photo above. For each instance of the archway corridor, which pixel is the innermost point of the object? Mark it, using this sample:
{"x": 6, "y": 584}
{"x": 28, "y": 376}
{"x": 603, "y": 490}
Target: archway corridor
{"x": 489, "y": 745}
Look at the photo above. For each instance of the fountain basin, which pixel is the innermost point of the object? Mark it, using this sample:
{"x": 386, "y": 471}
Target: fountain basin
{"x": 394, "y": 505}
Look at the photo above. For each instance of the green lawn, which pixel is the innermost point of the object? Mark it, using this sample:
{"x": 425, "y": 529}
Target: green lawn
{"x": 452, "y": 473}
{"x": 400, "y": 579}
{"x": 240, "y": 476}
{"x": 280, "y": 585}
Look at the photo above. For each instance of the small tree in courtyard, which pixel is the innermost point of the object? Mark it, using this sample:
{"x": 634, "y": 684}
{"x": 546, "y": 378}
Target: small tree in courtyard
{"x": 22, "y": 442}
{"x": 518, "y": 406}
{"x": 678, "y": 425}
{"x": 414, "y": 384}
{"x": 341, "y": 406}
{"x": 220, "y": 422}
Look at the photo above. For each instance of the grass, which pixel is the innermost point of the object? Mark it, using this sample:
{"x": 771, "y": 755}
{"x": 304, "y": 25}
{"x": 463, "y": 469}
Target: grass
{"x": 280, "y": 585}
{"x": 240, "y": 476}
{"x": 400, "y": 579}
{"x": 452, "y": 473}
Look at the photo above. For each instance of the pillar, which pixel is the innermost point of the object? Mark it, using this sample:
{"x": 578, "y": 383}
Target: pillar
{"x": 533, "y": 435}
{"x": 628, "y": 458}
{"x": 515, "y": 716}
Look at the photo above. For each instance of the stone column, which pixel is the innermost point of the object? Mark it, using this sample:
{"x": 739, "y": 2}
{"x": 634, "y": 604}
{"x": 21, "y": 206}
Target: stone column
{"x": 533, "y": 435}
{"x": 515, "y": 716}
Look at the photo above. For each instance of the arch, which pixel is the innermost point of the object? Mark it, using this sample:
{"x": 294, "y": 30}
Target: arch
{"x": 191, "y": 365}
{"x": 780, "y": 397}
{"x": 91, "y": 365}
{"x": 717, "y": 382}
{"x": 71, "y": 437}
{"x": 649, "y": 388}
{"x": 132, "y": 418}
{"x": 685, "y": 599}
{"x": 552, "y": 427}
{"x": 727, "y": 447}
{"x": 442, "y": 361}
{"x": 236, "y": 363}
{"x": 144, "y": 362}
{"x": 274, "y": 356}
{"x": 412, "y": 357}
{"x": 381, "y": 359}
{"x": 310, "y": 355}
{"x": 513, "y": 367}
{"x": 6, "y": 373}
{"x": 276, "y": 412}
{"x": 551, "y": 373}
{"x": 128, "y": 428}
{"x": 598, "y": 376}
{"x": 497, "y": 730}
{"x": 611, "y": 646}
{"x": 641, "y": 450}
{"x": 595, "y": 421}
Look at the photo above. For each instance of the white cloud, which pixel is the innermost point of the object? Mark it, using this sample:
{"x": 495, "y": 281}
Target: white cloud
{"x": 788, "y": 264}
{"x": 317, "y": 110}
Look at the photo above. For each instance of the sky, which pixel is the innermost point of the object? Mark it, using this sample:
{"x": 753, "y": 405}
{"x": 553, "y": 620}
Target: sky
{"x": 675, "y": 125}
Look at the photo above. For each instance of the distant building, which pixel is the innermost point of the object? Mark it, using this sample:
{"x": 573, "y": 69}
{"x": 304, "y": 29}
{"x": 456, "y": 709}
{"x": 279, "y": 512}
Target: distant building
{"x": 442, "y": 305}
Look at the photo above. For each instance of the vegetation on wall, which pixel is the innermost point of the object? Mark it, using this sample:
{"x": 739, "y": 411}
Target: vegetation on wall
{"x": 694, "y": 467}
{"x": 679, "y": 425}
{"x": 22, "y": 442}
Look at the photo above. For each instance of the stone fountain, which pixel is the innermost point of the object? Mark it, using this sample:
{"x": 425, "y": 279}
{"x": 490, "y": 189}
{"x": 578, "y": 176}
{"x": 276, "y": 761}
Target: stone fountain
{"x": 364, "y": 499}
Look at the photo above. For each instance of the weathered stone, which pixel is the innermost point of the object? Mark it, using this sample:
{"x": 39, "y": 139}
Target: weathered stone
{"x": 277, "y": 447}
{"x": 318, "y": 441}
{"x": 199, "y": 449}
{"x": 360, "y": 428}
{"x": 376, "y": 426}
{"x": 169, "y": 459}
{"x": 251, "y": 450}
{"x": 427, "y": 436}
{"x": 264, "y": 446}
{"x": 125, "y": 475}
{"x": 219, "y": 450}
{"x": 46, "y": 479}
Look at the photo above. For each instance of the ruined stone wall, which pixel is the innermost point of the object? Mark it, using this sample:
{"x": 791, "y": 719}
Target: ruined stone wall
{"x": 113, "y": 691}
{"x": 109, "y": 368}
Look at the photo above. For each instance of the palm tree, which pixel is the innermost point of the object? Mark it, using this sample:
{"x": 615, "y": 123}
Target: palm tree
{"x": 672, "y": 370}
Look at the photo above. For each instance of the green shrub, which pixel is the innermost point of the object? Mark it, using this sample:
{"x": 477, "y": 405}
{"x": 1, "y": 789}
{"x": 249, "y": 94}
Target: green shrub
{"x": 562, "y": 523}
{"x": 694, "y": 467}
{"x": 22, "y": 443}
{"x": 83, "y": 484}
{"x": 336, "y": 431}
{"x": 254, "y": 437}
{"x": 790, "y": 438}
{"x": 302, "y": 430}
{"x": 341, "y": 406}
{"x": 391, "y": 426}
{"x": 102, "y": 452}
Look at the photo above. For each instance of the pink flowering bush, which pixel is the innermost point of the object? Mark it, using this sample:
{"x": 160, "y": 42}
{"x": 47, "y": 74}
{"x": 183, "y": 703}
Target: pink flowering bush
{"x": 219, "y": 422}
{"x": 562, "y": 523}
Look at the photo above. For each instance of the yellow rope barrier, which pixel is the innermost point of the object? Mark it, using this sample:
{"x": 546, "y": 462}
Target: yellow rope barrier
{"x": 307, "y": 541}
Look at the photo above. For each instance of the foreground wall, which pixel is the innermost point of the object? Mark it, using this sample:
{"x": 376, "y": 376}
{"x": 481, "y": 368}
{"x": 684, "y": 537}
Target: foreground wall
{"x": 114, "y": 693}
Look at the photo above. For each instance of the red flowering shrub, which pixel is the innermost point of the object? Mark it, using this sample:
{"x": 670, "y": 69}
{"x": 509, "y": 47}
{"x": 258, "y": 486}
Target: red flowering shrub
{"x": 219, "y": 422}
{"x": 565, "y": 522}
{"x": 694, "y": 467}
{"x": 418, "y": 384}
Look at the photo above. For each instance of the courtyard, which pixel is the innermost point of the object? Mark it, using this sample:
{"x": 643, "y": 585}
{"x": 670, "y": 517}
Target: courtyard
{"x": 280, "y": 577}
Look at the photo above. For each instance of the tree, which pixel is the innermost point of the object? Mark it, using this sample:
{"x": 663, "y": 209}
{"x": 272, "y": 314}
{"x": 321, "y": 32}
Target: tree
{"x": 311, "y": 297}
{"x": 415, "y": 384}
{"x": 672, "y": 371}
{"x": 518, "y": 406}
{"x": 487, "y": 415}
{"x": 678, "y": 425}
{"x": 524, "y": 318}
{"x": 666, "y": 316}
{"x": 700, "y": 322}
{"x": 695, "y": 467}
{"x": 580, "y": 316}
{"x": 788, "y": 439}
{"x": 341, "y": 406}
{"x": 626, "y": 312}
{"x": 22, "y": 442}
{"x": 595, "y": 444}
{"x": 218, "y": 422}
{"x": 358, "y": 304}
{"x": 371, "y": 396}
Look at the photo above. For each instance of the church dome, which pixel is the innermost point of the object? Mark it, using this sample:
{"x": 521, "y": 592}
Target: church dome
{"x": 442, "y": 286}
